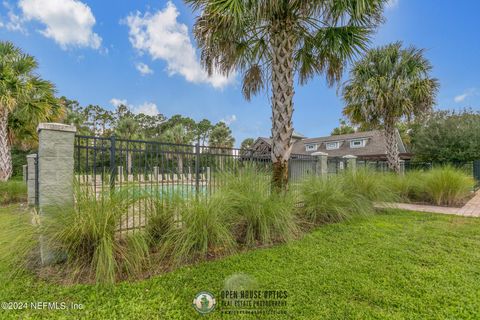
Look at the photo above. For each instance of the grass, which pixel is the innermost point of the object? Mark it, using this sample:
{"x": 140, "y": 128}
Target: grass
{"x": 11, "y": 191}
{"x": 85, "y": 237}
{"x": 445, "y": 186}
{"x": 394, "y": 265}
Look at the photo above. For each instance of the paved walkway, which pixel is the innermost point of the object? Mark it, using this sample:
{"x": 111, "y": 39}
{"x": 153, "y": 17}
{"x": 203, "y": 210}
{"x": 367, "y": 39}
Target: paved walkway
{"x": 471, "y": 209}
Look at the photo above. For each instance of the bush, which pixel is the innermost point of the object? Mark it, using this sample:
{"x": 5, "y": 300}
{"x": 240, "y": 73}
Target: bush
{"x": 370, "y": 184}
{"x": 440, "y": 186}
{"x": 12, "y": 191}
{"x": 87, "y": 236}
{"x": 447, "y": 186}
{"x": 201, "y": 229}
{"x": 258, "y": 217}
{"x": 332, "y": 200}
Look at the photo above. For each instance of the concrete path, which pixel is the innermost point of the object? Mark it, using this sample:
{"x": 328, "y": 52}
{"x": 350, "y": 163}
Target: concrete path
{"x": 471, "y": 209}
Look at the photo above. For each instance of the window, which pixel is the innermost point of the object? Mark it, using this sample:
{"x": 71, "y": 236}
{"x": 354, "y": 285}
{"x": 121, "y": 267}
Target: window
{"x": 332, "y": 145}
{"x": 311, "y": 147}
{"x": 358, "y": 143}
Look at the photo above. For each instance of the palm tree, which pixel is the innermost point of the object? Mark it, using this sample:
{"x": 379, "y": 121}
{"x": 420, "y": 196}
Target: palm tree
{"x": 25, "y": 100}
{"x": 129, "y": 129}
{"x": 179, "y": 134}
{"x": 389, "y": 84}
{"x": 272, "y": 41}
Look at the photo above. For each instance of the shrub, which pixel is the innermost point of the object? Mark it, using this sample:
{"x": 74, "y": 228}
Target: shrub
{"x": 406, "y": 187}
{"x": 12, "y": 191}
{"x": 331, "y": 200}
{"x": 258, "y": 217}
{"x": 202, "y": 229}
{"x": 370, "y": 184}
{"x": 165, "y": 212}
{"x": 88, "y": 239}
{"x": 447, "y": 186}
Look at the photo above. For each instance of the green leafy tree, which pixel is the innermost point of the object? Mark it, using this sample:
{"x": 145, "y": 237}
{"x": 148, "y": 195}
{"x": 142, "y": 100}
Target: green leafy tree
{"x": 389, "y": 84}
{"x": 343, "y": 128}
{"x": 25, "y": 100}
{"x": 447, "y": 136}
{"x": 203, "y": 130}
{"x": 247, "y": 144}
{"x": 221, "y": 136}
{"x": 275, "y": 40}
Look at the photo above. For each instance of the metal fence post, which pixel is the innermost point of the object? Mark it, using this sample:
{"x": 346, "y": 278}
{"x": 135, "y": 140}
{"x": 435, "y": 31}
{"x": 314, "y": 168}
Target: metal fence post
{"x": 197, "y": 168}
{"x": 113, "y": 166}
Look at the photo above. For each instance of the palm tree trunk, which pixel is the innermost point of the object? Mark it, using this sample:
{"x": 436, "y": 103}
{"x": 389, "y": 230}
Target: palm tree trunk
{"x": 282, "y": 102}
{"x": 393, "y": 157}
{"x": 5, "y": 154}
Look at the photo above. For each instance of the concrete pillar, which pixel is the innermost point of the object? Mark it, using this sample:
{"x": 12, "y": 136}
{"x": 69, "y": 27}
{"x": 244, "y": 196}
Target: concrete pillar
{"x": 402, "y": 167}
{"x": 321, "y": 166}
{"x": 31, "y": 179}
{"x": 155, "y": 173}
{"x": 351, "y": 162}
{"x": 55, "y": 174}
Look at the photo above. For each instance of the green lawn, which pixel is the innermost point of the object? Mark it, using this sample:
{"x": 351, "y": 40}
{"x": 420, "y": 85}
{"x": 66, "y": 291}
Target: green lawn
{"x": 396, "y": 265}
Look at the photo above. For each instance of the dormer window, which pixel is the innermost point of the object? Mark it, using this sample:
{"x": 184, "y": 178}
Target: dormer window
{"x": 332, "y": 145}
{"x": 359, "y": 143}
{"x": 311, "y": 147}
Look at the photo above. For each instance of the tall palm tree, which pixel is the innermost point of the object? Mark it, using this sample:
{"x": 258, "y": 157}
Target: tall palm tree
{"x": 25, "y": 100}
{"x": 272, "y": 41}
{"x": 390, "y": 84}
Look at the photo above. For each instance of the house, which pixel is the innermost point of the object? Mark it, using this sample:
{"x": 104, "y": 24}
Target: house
{"x": 369, "y": 145}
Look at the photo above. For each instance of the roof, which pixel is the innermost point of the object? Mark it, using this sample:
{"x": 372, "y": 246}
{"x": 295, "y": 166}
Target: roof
{"x": 375, "y": 144}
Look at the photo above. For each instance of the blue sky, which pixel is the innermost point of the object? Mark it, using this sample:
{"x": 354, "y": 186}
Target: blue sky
{"x": 142, "y": 53}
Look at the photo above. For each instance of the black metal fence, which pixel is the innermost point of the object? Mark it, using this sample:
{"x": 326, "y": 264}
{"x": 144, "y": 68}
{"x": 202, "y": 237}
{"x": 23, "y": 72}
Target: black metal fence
{"x": 162, "y": 169}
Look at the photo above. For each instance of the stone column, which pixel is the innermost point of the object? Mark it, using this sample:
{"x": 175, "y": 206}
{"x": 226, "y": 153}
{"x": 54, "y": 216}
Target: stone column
{"x": 321, "y": 166}
{"x": 31, "y": 179}
{"x": 402, "y": 167}
{"x": 55, "y": 173}
{"x": 351, "y": 162}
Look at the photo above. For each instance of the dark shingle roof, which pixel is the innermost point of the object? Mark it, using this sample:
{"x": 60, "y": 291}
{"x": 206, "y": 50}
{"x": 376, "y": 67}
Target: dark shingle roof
{"x": 375, "y": 145}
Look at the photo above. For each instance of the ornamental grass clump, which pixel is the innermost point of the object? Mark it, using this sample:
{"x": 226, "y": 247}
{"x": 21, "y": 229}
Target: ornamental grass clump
{"x": 86, "y": 237}
{"x": 258, "y": 216}
{"x": 370, "y": 184}
{"x": 202, "y": 230}
{"x": 12, "y": 191}
{"x": 447, "y": 186}
{"x": 331, "y": 200}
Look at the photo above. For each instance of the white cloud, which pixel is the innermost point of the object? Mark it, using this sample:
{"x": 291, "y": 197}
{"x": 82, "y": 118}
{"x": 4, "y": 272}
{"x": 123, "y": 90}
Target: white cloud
{"x": 460, "y": 98}
{"x": 468, "y": 93}
{"x": 163, "y": 37}
{"x": 13, "y": 22}
{"x": 148, "y": 108}
{"x": 68, "y": 22}
{"x": 116, "y": 102}
{"x": 228, "y": 120}
{"x": 392, "y": 4}
{"x": 143, "y": 69}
